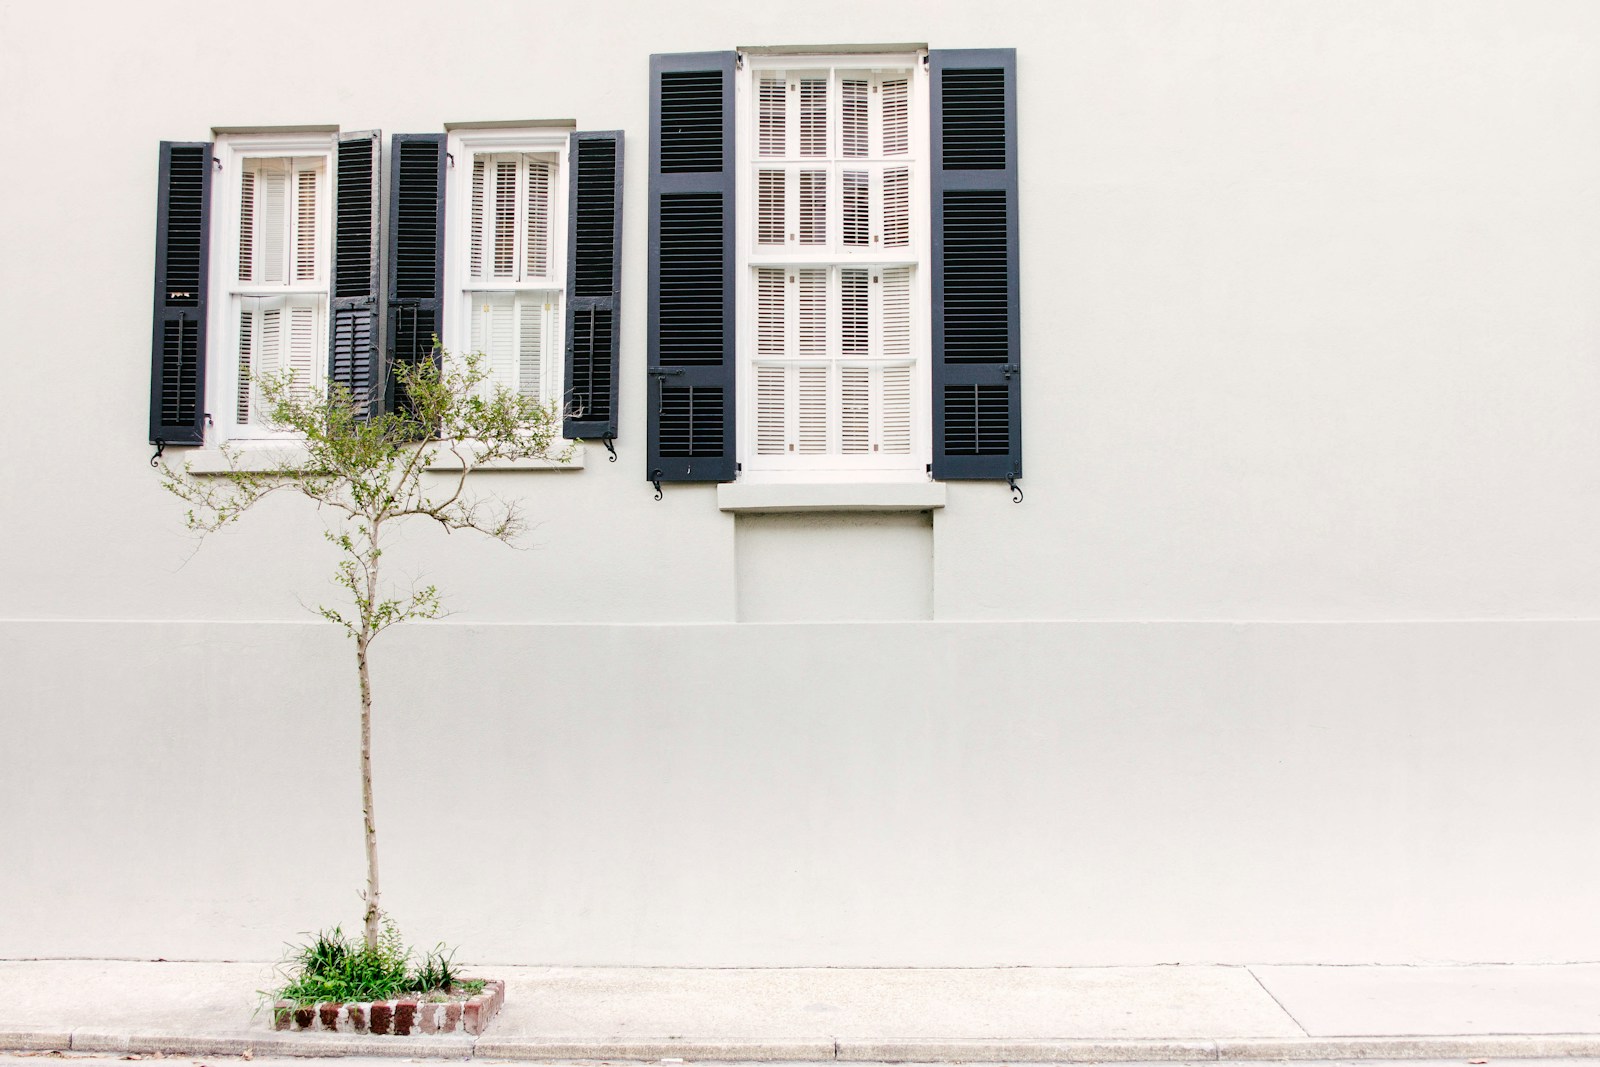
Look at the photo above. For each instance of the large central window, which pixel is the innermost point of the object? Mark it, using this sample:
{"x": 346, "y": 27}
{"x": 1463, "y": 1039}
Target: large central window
{"x": 832, "y": 244}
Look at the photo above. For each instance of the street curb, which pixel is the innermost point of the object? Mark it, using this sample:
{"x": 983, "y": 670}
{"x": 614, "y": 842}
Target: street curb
{"x": 458, "y": 1047}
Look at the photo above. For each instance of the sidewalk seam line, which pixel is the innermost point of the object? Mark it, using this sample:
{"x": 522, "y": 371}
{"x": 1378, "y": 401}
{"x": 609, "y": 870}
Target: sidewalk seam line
{"x": 1281, "y": 1006}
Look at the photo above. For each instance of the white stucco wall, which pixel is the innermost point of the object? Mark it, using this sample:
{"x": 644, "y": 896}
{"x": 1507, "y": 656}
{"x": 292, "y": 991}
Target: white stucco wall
{"x": 1286, "y": 656}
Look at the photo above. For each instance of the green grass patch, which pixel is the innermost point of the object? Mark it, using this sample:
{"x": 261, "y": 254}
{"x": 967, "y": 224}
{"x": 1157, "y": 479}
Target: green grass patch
{"x": 332, "y": 967}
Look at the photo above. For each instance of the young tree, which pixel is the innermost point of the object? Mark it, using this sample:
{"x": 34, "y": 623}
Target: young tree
{"x": 372, "y": 473}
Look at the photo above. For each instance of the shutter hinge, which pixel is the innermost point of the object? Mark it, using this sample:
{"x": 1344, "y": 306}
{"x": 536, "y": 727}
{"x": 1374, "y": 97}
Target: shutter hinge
{"x": 216, "y": 161}
{"x": 1009, "y": 369}
{"x": 738, "y": 61}
{"x": 655, "y": 480}
{"x": 610, "y": 447}
{"x": 1016, "y": 490}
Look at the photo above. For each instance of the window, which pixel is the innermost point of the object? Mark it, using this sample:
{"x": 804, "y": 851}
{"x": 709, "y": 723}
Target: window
{"x": 832, "y": 263}
{"x": 267, "y": 255}
{"x": 505, "y": 252}
{"x": 274, "y": 219}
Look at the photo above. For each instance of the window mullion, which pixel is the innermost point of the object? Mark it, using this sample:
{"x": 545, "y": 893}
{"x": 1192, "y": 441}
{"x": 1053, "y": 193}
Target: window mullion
{"x": 835, "y": 320}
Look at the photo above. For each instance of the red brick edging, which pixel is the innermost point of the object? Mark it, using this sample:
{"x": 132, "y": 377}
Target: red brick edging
{"x": 402, "y": 1017}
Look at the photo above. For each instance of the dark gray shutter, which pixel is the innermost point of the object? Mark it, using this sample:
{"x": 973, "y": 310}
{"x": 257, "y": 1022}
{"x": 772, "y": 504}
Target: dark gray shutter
{"x": 690, "y": 344}
{"x": 178, "y": 350}
{"x": 416, "y": 250}
{"x": 977, "y": 366}
{"x": 594, "y": 256}
{"x": 353, "y": 318}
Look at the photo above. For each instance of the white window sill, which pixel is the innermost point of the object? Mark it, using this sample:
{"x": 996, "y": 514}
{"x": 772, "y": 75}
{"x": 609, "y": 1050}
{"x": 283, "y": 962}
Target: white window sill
{"x": 264, "y": 455}
{"x": 830, "y": 496}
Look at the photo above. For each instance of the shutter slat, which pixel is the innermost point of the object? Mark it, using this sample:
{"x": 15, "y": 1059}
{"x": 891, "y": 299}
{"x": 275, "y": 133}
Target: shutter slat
{"x": 353, "y": 362}
{"x": 977, "y": 417}
{"x": 416, "y": 251}
{"x": 177, "y": 350}
{"x": 594, "y": 256}
{"x": 691, "y": 285}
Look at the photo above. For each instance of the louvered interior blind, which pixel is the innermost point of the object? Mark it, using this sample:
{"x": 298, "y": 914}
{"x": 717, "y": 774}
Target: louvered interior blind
{"x": 833, "y": 252}
{"x": 513, "y": 306}
{"x": 280, "y": 286}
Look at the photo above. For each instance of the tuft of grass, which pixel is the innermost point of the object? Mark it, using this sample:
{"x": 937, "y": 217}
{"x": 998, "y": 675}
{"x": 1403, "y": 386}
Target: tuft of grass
{"x": 332, "y": 967}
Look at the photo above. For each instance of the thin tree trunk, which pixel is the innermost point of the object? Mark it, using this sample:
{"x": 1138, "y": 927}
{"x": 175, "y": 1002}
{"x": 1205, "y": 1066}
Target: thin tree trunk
{"x": 363, "y": 642}
{"x": 371, "y": 917}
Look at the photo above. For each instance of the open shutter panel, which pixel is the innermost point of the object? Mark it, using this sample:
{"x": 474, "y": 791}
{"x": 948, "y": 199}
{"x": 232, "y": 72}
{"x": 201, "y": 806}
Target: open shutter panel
{"x": 353, "y": 317}
{"x": 691, "y": 283}
{"x": 177, "y": 362}
{"x": 977, "y": 367}
{"x": 416, "y": 249}
{"x": 594, "y": 254}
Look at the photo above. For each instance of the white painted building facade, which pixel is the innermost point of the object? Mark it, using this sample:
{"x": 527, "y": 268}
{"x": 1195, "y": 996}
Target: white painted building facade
{"x": 1287, "y": 655}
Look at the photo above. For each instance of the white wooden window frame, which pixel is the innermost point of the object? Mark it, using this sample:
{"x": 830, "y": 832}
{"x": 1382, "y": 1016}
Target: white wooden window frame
{"x": 835, "y": 467}
{"x": 464, "y": 146}
{"x": 222, "y": 328}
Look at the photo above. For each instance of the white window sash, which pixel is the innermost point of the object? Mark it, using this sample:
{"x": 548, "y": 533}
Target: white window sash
{"x": 464, "y": 291}
{"x": 223, "y": 368}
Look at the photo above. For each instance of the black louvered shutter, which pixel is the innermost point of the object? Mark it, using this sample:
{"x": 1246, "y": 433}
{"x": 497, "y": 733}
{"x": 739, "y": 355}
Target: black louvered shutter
{"x": 178, "y": 350}
{"x": 691, "y": 283}
{"x": 977, "y": 367}
{"x": 416, "y": 250}
{"x": 594, "y": 255}
{"x": 353, "y": 319}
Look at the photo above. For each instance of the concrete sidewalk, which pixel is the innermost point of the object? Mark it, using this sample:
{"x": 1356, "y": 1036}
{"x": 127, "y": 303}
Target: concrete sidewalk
{"x": 864, "y": 1015}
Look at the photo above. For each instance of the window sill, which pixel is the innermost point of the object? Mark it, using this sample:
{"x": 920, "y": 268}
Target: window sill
{"x": 263, "y": 456}
{"x": 831, "y": 496}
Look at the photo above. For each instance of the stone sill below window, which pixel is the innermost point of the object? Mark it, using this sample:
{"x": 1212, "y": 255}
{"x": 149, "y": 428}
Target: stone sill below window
{"x": 259, "y": 456}
{"x": 830, "y": 496}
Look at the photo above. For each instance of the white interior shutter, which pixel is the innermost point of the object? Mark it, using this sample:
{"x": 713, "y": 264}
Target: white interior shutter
{"x": 894, "y": 293}
{"x": 813, "y": 117}
{"x": 505, "y": 218}
{"x": 811, "y": 414}
{"x": 854, "y": 124}
{"x": 853, "y": 316}
{"x": 302, "y": 350}
{"x": 247, "y": 225}
{"x": 493, "y": 335}
{"x": 531, "y": 347}
{"x": 771, "y": 312}
{"x": 272, "y": 213}
{"x": 771, "y": 205}
{"x": 305, "y": 225}
{"x": 895, "y": 94}
{"x": 855, "y": 429}
{"x": 895, "y": 409}
{"x": 537, "y": 231}
{"x": 772, "y": 409}
{"x": 267, "y": 360}
{"x": 772, "y": 128}
{"x": 247, "y": 322}
{"x": 476, "y": 252}
{"x": 811, "y": 317}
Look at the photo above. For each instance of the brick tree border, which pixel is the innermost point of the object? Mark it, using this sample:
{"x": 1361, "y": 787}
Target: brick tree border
{"x": 401, "y": 1018}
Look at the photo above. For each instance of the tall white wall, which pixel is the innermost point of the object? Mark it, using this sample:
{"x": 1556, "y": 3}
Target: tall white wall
{"x": 1286, "y": 656}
